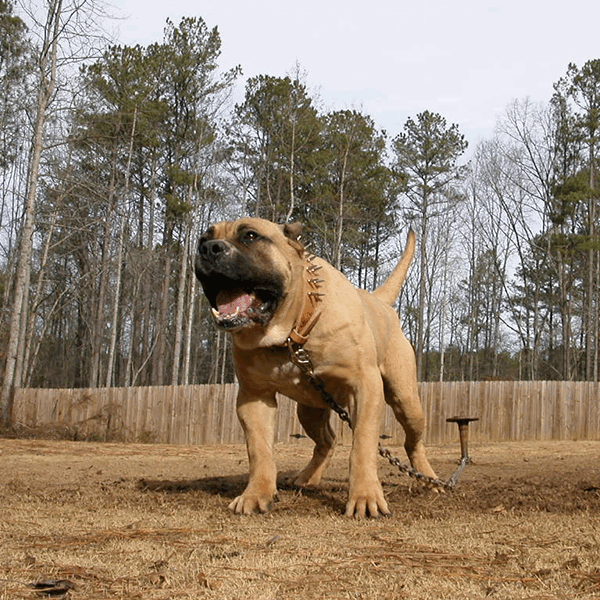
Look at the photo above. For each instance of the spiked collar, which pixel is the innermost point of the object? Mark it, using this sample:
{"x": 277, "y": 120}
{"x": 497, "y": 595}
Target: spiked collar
{"x": 310, "y": 309}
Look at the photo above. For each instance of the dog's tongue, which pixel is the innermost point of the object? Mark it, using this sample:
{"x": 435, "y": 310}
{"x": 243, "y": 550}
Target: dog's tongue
{"x": 231, "y": 301}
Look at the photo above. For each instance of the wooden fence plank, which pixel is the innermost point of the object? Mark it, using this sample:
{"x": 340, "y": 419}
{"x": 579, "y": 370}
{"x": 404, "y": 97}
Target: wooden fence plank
{"x": 195, "y": 430}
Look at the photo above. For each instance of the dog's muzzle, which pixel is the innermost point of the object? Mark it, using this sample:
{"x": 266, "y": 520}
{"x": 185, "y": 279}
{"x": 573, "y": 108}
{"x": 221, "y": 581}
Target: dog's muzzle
{"x": 240, "y": 295}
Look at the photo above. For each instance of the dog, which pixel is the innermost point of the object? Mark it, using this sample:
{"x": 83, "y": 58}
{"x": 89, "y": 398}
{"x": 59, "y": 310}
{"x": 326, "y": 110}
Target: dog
{"x": 268, "y": 292}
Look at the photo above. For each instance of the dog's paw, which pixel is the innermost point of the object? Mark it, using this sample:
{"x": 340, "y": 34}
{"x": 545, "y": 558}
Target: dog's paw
{"x": 367, "y": 503}
{"x": 306, "y": 479}
{"x": 249, "y": 504}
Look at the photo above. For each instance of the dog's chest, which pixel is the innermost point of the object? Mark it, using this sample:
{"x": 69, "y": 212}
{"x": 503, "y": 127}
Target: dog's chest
{"x": 273, "y": 370}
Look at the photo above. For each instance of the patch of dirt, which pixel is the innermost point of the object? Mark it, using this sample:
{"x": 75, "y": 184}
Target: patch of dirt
{"x": 88, "y": 520}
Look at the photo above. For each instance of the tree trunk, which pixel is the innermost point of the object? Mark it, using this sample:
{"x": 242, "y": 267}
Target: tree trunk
{"x": 121, "y": 244}
{"x": 292, "y": 182}
{"x": 160, "y": 326}
{"x": 28, "y": 362}
{"x": 147, "y": 341}
{"x": 115, "y": 312}
{"x": 420, "y": 349}
{"x": 189, "y": 329}
{"x": 48, "y": 60}
{"x": 180, "y": 305}
{"x": 339, "y": 226}
{"x": 592, "y": 300}
{"x": 99, "y": 304}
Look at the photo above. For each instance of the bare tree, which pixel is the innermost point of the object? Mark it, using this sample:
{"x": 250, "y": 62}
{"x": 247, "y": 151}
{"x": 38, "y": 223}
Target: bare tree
{"x": 60, "y": 35}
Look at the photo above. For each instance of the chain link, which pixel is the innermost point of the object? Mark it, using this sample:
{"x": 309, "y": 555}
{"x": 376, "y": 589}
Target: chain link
{"x": 301, "y": 359}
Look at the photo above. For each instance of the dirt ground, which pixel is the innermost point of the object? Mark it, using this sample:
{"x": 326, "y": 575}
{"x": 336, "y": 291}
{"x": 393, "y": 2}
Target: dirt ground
{"x": 91, "y": 520}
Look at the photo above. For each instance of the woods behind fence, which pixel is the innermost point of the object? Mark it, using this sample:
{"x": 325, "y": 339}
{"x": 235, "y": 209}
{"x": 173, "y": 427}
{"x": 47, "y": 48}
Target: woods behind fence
{"x": 205, "y": 414}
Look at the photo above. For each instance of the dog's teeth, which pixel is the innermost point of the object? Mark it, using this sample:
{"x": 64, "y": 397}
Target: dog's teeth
{"x": 216, "y": 313}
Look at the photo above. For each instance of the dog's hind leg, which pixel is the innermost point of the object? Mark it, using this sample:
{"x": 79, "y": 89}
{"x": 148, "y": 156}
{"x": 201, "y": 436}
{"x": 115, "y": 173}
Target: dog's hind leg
{"x": 402, "y": 394}
{"x": 408, "y": 412}
{"x": 315, "y": 422}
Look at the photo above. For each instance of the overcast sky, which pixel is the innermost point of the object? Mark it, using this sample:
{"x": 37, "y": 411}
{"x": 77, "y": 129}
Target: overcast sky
{"x": 391, "y": 59}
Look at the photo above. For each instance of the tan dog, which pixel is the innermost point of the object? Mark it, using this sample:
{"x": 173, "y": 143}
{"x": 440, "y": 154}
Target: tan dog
{"x": 263, "y": 288}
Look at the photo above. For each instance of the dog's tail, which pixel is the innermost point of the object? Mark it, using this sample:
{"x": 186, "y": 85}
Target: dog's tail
{"x": 389, "y": 290}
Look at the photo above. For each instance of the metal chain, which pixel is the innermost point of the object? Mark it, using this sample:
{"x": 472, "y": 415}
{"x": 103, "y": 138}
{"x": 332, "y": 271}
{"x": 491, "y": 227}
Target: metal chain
{"x": 301, "y": 359}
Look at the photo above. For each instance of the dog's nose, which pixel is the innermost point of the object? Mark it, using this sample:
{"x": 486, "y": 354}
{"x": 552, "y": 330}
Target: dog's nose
{"x": 214, "y": 248}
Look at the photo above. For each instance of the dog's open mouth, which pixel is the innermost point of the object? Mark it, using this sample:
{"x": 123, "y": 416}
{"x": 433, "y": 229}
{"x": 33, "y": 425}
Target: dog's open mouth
{"x": 237, "y": 308}
{"x": 242, "y": 292}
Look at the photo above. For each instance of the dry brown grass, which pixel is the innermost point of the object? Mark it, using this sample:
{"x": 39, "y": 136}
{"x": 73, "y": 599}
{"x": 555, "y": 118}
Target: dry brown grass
{"x": 150, "y": 522}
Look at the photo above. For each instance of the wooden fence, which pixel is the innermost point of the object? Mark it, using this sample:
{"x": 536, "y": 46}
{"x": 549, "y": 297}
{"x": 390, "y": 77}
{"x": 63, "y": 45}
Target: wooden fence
{"x": 205, "y": 414}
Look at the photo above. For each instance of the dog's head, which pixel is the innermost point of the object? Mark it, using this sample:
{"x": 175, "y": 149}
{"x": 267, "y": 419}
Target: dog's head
{"x": 246, "y": 270}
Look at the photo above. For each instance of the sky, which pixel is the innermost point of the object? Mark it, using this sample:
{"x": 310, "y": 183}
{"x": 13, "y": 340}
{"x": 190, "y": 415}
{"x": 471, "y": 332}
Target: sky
{"x": 391, "y": 59}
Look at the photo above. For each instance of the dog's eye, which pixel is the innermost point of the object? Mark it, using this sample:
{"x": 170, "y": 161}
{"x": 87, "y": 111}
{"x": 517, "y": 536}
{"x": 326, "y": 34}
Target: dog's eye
{"x": 250, "y": 236}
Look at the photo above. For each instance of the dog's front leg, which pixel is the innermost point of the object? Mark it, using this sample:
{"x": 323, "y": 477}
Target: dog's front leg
{"x": 366, "y": 494}
{"x": 257, "y": 416}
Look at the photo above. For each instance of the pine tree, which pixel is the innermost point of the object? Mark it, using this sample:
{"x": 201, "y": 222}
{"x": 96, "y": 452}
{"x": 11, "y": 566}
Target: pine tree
{"x": 273, "y": 139}
{"x": 426, "y": 155}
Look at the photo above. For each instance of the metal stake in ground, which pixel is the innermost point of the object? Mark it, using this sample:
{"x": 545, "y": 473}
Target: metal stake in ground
{"x": 463, "y": 432}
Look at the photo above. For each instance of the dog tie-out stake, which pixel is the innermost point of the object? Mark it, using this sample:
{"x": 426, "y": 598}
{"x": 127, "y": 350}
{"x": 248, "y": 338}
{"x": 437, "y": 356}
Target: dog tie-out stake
{"x": 463, "y": 433}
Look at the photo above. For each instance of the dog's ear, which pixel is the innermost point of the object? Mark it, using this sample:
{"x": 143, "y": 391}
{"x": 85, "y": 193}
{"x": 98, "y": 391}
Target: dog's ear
{"x": 293, "y": 232}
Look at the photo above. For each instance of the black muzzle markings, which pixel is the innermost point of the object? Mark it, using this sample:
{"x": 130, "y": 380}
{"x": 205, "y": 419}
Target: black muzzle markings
{"x": 240, "y": 291}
